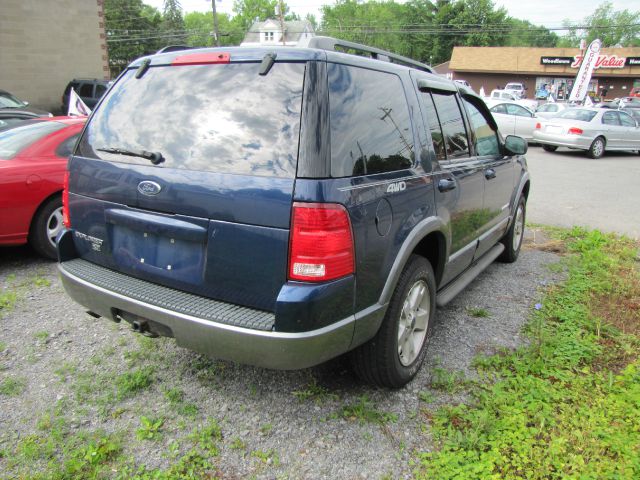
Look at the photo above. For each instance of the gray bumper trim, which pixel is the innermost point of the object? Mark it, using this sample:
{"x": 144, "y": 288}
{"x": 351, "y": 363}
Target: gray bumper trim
{"x": 278, "y": 350}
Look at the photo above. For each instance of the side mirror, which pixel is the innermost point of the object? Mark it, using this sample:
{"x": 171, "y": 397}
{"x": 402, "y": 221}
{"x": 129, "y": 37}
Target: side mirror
{"x": 514, "y": 145}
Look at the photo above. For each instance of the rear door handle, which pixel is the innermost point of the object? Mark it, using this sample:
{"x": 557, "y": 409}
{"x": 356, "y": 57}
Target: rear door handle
{"x": 446, "y": 184}
{"x": 489, "y": 174}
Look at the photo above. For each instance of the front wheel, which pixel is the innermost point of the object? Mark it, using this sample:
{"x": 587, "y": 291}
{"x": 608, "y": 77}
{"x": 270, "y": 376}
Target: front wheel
{"x": 596, "y": 150}
{"x": 45, "y": 227}
{"x": 512, "y": 241}
{"x": 393, "y": 357}
{"x": 549, "y": 148}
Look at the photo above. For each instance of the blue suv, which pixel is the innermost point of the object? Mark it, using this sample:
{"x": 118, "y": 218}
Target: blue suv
{"x": 280, "y": 206}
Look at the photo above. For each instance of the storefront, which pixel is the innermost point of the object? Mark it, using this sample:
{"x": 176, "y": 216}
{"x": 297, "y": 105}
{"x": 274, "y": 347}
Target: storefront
{"x": 552, "y": 70}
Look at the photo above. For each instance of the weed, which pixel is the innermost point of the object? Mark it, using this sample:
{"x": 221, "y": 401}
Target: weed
{"x": 269, "y": 457}
{"x": 365, "y": 412}
{"x": 478, "y": 312}
{"x": 149, "y": 428}
{"x": 449, "y": 381}
{"x": 3, "y": 347}
{"x": 315, "y": 392}
{"x": 175, "y": 396}
{"x": 426, "y": 397}
{"x": 266, "y": 428}
{"x": 39, "y": 281}
{"x": 7, "y": 300}
{"x": 132, "y": 382}
{"x": 12, "y": 387}
{"x": 238, "y": 444}
{"x": 42, "y": 336}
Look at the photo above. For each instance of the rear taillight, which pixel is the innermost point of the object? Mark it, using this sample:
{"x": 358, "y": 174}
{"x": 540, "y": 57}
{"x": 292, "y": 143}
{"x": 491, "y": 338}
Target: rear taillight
{"x": 65, "y": 202}
{"x": 538, "y": 126}
{"x": 321, "y": 246}
{"x": 575, "y": 131}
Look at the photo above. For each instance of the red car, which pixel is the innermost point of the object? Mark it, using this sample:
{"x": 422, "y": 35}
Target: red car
{"x": 33, "y": 161}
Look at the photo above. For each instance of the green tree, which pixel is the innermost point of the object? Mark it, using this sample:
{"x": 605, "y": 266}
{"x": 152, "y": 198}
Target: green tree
{"x": 132, "y": 31}
{"x": 247, "y": 11}
{"x": 612, "y": 27}
{"x": 172, "y": 25}
{"x": 525, "y": 34}
{"x": 199, "y": 28}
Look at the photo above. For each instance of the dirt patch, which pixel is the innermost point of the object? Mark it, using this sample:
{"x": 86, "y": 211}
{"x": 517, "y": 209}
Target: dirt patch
{"x": 541, "y": 240}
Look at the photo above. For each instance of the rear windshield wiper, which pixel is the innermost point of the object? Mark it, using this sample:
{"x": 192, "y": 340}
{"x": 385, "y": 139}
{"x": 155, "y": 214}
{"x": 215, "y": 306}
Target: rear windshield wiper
{"x": 155, "y": 157}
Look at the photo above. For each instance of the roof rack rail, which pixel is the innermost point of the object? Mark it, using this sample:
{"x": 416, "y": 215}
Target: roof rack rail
{"x": 174, "y": 48}
{"x": 330, "y": 43}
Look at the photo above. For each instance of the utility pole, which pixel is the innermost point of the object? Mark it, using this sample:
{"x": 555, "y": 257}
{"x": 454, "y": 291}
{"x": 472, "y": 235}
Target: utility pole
{"x": 281, "y": 5}
{"x": 216, "y": 33}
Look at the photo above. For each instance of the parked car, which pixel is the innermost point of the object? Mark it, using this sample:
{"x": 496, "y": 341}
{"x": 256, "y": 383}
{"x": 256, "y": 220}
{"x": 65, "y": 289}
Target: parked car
{"x": 542, "y": 94}
{"x": 90, "y": 90}
{"x": 14, "y": 110}
{"x": 516, "y": 89}
{"x": 635, "y": 92}
{"x": 33, "y": 160}
{"x": 634, "y": 112}
{"x": 498, "y": 96}
{"x": 288, "y": 210}
{"x": 595, "y": 130}
{"x": 550, "y": 110}
{"x": 514, "y": 119}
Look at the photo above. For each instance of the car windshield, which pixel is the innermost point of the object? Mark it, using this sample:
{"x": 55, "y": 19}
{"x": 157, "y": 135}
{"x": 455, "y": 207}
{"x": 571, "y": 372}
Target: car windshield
{"x": 578, "y": 114}
{"x": 14, "y": 140}
{"x": 514, "y": 87}
{"x": 9, "y": 101}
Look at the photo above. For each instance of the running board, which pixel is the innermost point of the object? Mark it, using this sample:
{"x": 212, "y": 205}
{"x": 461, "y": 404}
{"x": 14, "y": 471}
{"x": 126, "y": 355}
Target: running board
{"x": 450, "y": 291}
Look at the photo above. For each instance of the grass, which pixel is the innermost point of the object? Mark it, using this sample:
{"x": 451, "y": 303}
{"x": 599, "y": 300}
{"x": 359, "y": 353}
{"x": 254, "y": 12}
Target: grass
{"x": 12, "y": 387}
{"x": 567, "y": 405}
{"x": 364, "y": 411}
{"x": 315, "y": 392}
{"x": 478, "y": 312}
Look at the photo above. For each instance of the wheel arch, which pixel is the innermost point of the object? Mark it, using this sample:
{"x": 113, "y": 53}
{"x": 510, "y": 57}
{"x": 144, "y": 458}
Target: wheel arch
{"x": 40, "y": 207}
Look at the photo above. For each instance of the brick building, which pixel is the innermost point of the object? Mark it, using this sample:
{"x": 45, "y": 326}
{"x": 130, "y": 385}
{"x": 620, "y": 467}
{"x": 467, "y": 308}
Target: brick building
{"x": 618, "y": 70}
{"x": 44, "y": 44}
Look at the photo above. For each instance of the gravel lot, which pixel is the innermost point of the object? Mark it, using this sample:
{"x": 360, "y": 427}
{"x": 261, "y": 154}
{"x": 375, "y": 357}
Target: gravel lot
{"x": 269, "y": 430}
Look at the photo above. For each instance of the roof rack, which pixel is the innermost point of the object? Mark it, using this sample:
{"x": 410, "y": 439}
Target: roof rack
{"x": 330, "y": 43}
{"x": 173, "y": 48}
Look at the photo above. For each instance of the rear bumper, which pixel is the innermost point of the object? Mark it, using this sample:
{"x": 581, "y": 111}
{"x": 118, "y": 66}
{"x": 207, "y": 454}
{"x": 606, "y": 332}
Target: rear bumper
{"x": 562, "y": 140}
{"x": 277, "y": 350}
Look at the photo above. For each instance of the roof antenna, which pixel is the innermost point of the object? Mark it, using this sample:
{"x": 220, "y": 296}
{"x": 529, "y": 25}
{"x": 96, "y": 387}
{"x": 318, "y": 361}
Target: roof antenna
{"x": 142, "y": 69}
{"x": 267, "y": 62}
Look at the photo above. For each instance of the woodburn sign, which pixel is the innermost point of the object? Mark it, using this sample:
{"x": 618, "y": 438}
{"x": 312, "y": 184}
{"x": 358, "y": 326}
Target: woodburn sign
{"x": 603, "y": 61}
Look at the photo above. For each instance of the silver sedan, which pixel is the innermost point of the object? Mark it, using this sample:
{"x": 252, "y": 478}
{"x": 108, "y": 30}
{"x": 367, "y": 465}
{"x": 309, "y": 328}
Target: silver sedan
{"x": 592, "y": 129}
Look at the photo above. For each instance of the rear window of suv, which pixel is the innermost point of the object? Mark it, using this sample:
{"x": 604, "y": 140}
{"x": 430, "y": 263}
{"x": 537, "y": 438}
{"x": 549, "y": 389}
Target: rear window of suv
{"x": 216, "y": 118}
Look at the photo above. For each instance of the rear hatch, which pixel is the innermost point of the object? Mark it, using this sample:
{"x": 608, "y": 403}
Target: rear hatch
{"x": 184, "y": 177}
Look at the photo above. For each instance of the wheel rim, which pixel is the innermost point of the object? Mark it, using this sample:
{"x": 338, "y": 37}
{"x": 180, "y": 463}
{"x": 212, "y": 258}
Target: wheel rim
{"x": 598, "y": 148}
{"x": 414, "y": 320}
{"x": 518, "y": 228}
{"x": 54, "y": 225}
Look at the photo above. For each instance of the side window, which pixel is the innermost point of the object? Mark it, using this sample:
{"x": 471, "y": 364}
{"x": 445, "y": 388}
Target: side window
{"x": 370, "y": 126}
{"x": 100, "y": 89}
{"x": 517, "y": 110}
{"x": 544, "y": 108}
{"x": 66, "y": 147}
{"x": 485, "y": 138}
{"x": 610, "y": 118}
{"x": 434, "y": 126}
{"x": 499, "y": 109}
{"x": 553, "y": 107}
{"x": 86, "y": 90}
{"x": 626, "y": 120}
{"x": 455, "y": 134}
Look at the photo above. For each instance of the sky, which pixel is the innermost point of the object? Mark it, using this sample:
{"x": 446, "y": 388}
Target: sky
{"x": 549, "y": 13}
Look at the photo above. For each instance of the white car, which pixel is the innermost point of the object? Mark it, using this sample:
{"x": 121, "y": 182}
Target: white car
{"x": 550, "y": 110}
{"x": 500, "y": 95}
{"x": 515, "y": 88}
{"x": 514, "y": 119}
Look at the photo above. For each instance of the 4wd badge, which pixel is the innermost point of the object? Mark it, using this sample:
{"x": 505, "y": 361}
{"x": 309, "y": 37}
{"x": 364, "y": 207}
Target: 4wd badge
{"x": 396, "y": 187}
{"x": 147, "y": 187}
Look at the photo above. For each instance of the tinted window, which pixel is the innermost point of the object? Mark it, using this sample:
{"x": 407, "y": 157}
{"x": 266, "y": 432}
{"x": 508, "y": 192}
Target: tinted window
{"x": 434, "y": 126}
{"x": 610, "y": 118}
{"x": 15, "y": 139}
{"x": 455, "y": 134}
{"x": 66, "y": 147}
{"x": 578, "y": 114}
{"x": 218, "y": 118}
{"x": 626, "y": 120}
{"x": 484, "y": 137}
{"x": 499, "y": 109}
{"x": 370, "y": 127}
{"x": 86, "y": 90}
{"x": 9, "y": 101}
{"x": 100, "y": 89}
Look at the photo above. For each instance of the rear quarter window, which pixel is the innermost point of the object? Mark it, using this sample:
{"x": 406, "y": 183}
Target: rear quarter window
{"x": 370, "y": 127}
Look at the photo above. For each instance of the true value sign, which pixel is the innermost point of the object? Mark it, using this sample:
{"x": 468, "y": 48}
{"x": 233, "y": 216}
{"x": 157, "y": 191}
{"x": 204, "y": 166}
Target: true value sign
{"x": 603, "y": 61}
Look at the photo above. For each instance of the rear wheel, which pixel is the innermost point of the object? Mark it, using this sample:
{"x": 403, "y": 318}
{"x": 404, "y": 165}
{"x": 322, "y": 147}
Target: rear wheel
{"x": 394, "y": 356}
{"x": 549, "y": 148}
{"x": 596, "y": 150}
{"x": 512, "y": 241}
{"x": 45, "y": 228}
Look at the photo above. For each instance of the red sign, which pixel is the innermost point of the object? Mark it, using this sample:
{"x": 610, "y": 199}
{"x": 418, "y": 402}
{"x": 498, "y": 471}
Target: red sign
{"x": 603, "y": 61}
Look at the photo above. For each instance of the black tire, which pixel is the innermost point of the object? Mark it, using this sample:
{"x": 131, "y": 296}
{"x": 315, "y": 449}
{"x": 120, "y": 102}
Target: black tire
{"x": 380, "y": 361}
{"x": 596, "y": 150}
{"x": 549, "y": 148}
{"x": 45, "y": 225}
{"x": 512, "y": 241}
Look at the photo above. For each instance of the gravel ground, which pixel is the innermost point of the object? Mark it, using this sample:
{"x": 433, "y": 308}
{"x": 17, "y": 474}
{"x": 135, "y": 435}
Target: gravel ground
{"x": 269, "y": 431}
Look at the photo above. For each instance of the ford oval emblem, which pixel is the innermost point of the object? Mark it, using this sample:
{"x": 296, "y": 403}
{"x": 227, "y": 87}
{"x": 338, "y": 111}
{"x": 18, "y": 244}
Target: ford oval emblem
{"x": 147, "y": 187}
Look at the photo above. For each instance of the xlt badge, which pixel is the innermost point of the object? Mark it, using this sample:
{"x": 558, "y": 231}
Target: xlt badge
{"x": 147, "y": 187}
